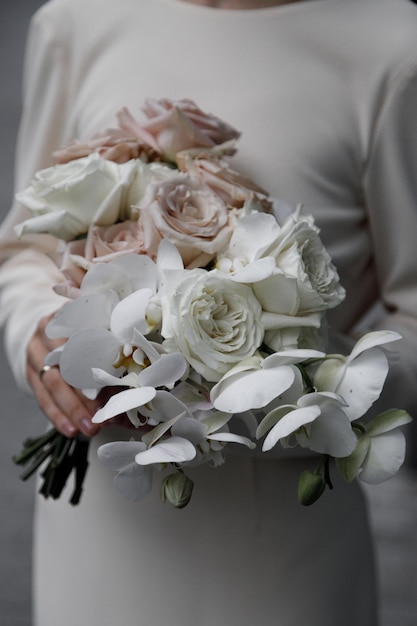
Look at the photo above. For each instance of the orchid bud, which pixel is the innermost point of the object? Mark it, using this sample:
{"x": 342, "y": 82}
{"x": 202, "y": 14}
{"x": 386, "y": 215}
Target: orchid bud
{"x": 310, "y": 487}
{"x": 177, "y": 490}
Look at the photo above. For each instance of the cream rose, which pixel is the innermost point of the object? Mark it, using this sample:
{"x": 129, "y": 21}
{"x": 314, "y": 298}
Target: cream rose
{"x": 212, "y": 321}
{"x": 188, "y": 213}
{"x": 300, "y": 254}
{"x": 173, "y": 126}
{"x": 66, "y": 199}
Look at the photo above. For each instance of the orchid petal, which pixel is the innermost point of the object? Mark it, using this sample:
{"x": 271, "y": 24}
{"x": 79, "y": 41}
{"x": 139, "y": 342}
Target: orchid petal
{"x": 165, "y": 372}
{"x": 251, "y": 364}
{"x": 330, "y": 434}
{"x": 272, "y": 418}
{"x": 124, "y": 401}
{"x": 289, "y": 423}
{"x": 134, "y": 482}
{"x": 330, "y": 372}
{"x": 86, "y": 311}
{"x": 148, "y": 347}
{"x": 189, "y": 428}
{"x": 251, "y": 390}
{"x": 385, "y": 456}
{"x": 232, "y": 438}
{"x": 104, "y": 379}
{"x": 118, "y": 454}
{"x": 106, "y": 278}
{"x": 54, "y": 357}
{"x": 168, "y": 258}
{"x": 350, "y": 466}
{"x": 91, "y": 394}
{"x": 373, "y": 339}
{"x": 173, "y": 450}
{"x": 363, "y": 381}
{"x": 387, "y": 421}
{"x": 130, "y": 314}
{"x": 92, "y": 347}
{"x": 215, "y": 420}
{"x": 159, "y": 431}
{"x": 164, "y": 406}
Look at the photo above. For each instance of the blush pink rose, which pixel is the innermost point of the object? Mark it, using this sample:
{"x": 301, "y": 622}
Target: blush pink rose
{"x": 102, "y": 244}
{"x": 173, "y": 126}
{"x": 186, "y": 211}
{"x": 234, "y": 188}
{"x": 113, "y": 145}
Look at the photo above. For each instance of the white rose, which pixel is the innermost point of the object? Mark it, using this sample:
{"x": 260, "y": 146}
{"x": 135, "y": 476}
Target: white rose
{"x": 291, "y": 271}
{"x": 214, "y": 322}
{"x": 66, "y": 198}
{"x": 300, "y": 254}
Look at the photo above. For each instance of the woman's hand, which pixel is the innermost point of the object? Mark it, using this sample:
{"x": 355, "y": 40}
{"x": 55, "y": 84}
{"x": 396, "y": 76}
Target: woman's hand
{"x": 68, "y": 410}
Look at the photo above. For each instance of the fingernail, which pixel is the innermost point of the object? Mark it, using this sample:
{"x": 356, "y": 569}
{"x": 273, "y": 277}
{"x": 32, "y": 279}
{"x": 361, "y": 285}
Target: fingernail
{"x": 87, "y": 427}
{"x": 69, "y": 430}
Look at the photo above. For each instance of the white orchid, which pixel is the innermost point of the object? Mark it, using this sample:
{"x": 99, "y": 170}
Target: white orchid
{"x": 163, "y": 370}
{"x": 317, "y": 422}
{"x": 380, "y": 451}
{"x": 256, "y": 382}
{"x": 206, "y": 429}
{"x": 117, "y": 300}
{"x": 291, "y": 270}
{"x": 359, "y": 377}
{"x": 133, "y": 481}
{"x": 134, "y": 462}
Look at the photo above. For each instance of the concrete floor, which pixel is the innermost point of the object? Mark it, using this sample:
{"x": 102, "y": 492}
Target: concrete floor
{"x": 393, "y": 506}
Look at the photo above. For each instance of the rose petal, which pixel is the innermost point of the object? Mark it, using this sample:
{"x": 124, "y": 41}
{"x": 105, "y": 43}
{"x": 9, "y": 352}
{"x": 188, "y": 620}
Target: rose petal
{"x": 254, "y": 272}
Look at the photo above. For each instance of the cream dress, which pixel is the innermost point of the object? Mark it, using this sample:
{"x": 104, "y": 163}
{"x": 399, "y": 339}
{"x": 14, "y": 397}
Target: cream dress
{"x": 325, "y": 94}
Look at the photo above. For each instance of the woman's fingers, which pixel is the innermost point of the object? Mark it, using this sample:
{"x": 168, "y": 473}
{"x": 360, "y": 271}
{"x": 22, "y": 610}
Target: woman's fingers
{"x": 67, "y": 409}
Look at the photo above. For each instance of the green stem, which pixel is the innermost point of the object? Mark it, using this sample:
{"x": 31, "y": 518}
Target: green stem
{"x": 31, "y": 446}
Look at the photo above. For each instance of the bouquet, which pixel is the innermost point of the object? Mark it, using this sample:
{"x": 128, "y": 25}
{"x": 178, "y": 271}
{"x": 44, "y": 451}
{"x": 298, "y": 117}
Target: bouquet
{"x": 199, "y": 304}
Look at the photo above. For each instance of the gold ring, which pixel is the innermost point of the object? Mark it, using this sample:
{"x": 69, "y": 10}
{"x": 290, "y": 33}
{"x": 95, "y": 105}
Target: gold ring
{"x": 45, "y": 369}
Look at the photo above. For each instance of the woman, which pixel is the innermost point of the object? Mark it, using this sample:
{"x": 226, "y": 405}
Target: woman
{"x": 324, "y": 102}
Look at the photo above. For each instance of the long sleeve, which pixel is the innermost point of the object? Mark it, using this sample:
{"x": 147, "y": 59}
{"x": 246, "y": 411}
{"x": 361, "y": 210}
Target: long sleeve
{"x": 27, "y": 274}
{"x": 391, "y": 193}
